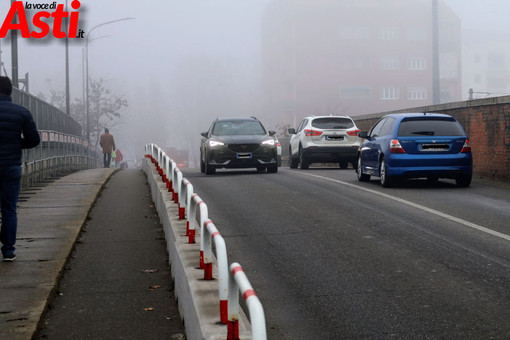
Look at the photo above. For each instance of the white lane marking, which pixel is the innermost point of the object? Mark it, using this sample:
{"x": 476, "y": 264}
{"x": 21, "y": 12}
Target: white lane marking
{"x": 414, "y": 205}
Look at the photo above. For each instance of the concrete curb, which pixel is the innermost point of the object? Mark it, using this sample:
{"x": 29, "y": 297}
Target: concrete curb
{"x": 198, "y": 299}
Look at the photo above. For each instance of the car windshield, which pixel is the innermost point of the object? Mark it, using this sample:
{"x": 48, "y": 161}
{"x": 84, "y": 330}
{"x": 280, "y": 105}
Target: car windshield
{"x": 332, "y": 123}
{"x": 429, "y": 127}
{"x": 238, "y": 127}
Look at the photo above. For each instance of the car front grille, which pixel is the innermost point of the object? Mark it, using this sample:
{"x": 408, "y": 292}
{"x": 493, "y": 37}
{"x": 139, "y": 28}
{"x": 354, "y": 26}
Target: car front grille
{"x": 243, "y": 147}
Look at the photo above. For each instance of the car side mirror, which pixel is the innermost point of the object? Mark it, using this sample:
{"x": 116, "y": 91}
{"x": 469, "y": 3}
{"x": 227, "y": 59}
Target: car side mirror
{"x": 292, "y": 131}
{"x": 363, "y": 134}
{"x": 271, "y": 132}
{"x": 204, "y": 134}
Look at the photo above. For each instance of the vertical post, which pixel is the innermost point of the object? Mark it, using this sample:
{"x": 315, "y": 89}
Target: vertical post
{"x": 14, "y": 55}
{"x": 87, "y": 85}
{"x": 68, "y": 101}
{"x": 436, "y": 85}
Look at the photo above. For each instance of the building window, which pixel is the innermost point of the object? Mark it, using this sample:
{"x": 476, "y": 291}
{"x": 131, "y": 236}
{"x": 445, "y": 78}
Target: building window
{"x": 356, "y": 93}
{"x": 417, "y": 64}
{"x": 389, "y": 33}
{"x": 390, "y": 63}
{"x": 390, "y": 93}
{"x": 416, "y": 34}
{"x": 416, "y": 93}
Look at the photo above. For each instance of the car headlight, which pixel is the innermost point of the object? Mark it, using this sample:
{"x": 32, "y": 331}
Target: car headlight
{"x": 268, "y": 142}
{"x": 213, "y": 143}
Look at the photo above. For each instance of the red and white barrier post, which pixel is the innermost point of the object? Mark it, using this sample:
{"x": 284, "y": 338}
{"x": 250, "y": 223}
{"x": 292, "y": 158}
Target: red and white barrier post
{"x": 186, "y": 191}
{"x": 211, "y": 234}
{"x": 196, "y": 204}
{"x": 238, "y": 282}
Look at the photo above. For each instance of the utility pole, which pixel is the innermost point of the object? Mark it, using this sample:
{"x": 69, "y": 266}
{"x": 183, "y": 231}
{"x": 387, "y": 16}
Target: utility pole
{"x": 14, "y": 55}
{"x": 1, "y": 62}
{"x": 68, "y": 91}
{"x": 436, "y": 86}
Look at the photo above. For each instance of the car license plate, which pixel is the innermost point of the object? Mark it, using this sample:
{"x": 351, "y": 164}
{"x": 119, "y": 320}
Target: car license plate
{"x": 244, "y": 155}
{"x": 334, "y": 138}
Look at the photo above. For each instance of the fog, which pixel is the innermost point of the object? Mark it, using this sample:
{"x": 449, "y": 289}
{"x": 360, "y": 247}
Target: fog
{"x": 182, "y": 63}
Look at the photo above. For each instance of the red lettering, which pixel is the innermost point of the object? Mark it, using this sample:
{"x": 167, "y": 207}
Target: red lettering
{"x": 16, "y": 10}
{"x": 45, "y": 28}
{"x": 73, "y": 25}
{"x": 16, "y": 19}
{"x": 58, "y": 15}
{"x": 73, "y": 22}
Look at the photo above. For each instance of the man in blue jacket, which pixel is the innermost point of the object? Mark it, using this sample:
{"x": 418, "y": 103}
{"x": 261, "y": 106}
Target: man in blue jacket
{"x": 15, "y": 120}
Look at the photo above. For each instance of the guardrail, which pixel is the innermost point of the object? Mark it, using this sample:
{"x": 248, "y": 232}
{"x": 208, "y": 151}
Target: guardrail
{"x": 58, "y": 154}
{"x": 191, "y": 207}
{"x": 239, "y": 282}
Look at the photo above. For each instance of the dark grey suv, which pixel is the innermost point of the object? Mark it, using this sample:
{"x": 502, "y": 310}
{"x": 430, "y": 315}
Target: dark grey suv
{"x": 238, "y": 143}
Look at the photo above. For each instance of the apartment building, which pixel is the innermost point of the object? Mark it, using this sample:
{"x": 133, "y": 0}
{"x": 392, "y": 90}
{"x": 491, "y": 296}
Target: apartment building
{"x": 355, "y": 57}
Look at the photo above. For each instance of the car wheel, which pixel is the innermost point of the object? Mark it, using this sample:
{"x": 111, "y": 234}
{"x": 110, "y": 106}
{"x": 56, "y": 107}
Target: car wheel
{"x": 209, "y": 169}
{"x": 304, "y": 163}
{"x": 272, "y": 169}
{"x": 202, "y": 165}
{"x": 343, "y": 164}
{"x": 359, "y": 173}
{"x": 463, "y": 181}
{"x": 386, "y": 181}
{"x": 293, "y": 161}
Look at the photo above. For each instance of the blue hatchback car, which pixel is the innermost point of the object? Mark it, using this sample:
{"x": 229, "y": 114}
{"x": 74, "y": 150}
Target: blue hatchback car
{"x": 414, "y": 145}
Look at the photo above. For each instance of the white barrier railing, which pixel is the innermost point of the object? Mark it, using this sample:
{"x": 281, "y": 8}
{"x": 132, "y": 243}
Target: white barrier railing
{"x": 185, "y": 193}
{"x": 212, "y": 234}
{"x": 238, "y": 282}
{"x": 230, "y": 282}
{"x": 195, "y": 202}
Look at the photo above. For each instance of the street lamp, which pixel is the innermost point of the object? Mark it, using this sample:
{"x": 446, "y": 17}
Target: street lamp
{"x": 87, "y": 67}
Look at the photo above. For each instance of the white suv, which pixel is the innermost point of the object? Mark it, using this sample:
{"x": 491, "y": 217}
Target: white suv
{"x": 323, "y": 139}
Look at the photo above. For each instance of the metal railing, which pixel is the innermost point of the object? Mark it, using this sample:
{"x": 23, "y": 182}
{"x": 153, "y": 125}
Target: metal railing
{"x": 62, "y": 149}
{"x": 58, "y": 154}
{"x": 239, "y": 282}
{"x": 230, "y": 282}
{"x": 46, "y": 116}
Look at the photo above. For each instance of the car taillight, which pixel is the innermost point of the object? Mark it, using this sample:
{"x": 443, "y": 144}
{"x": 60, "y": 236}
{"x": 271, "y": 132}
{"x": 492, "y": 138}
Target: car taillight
{"x": 353, "y": 132}
{"x": 467, "y": 147}
{"x": 278, "y": 144}
{"x": 312, "y": 133}
{"x": 395, "y": 146}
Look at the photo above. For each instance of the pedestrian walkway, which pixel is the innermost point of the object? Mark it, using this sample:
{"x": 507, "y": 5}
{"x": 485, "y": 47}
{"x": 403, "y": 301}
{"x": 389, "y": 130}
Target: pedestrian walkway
{"x": 119, "y": 259}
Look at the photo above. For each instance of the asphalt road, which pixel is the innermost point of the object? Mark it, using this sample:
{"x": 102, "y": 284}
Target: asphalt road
{"x": 332, "y": 258}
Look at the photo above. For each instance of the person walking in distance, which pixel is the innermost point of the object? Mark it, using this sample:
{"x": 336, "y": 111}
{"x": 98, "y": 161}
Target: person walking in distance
{"x": 17, "y": 131}
{"x": 108, "y": 144}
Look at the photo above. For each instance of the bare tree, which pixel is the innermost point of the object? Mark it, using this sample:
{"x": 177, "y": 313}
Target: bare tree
{"x": 104, "y": 108}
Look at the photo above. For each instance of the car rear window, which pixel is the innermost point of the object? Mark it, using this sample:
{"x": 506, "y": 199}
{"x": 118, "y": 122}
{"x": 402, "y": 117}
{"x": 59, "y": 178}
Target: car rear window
{"x": 238, "y": 127}
{"x": 430, "y": 127}
{"x": 332, "y": 123}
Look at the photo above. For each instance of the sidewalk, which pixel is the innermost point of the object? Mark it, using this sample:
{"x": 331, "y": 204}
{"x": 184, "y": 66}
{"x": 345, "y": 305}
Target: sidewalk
{"x": 117, "y": 284}
{"x": 49, "y": 223}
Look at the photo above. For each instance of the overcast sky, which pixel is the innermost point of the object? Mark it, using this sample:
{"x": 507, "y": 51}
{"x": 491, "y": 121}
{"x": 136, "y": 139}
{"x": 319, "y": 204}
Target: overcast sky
{"x": 138, "y": 57}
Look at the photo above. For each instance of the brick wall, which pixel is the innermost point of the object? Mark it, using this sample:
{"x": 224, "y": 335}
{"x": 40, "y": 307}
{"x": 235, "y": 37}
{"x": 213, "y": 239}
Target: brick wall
{"x": 487, "y": 122}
